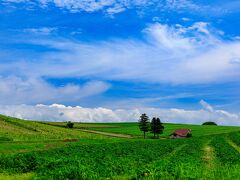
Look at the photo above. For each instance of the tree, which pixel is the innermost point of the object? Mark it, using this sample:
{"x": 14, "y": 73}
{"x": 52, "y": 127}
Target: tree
{"x": 156, "y": 126}
{"x": 144, "y": 124}
{"x": 70, "y": 124}
{"x": 153, "y": 126}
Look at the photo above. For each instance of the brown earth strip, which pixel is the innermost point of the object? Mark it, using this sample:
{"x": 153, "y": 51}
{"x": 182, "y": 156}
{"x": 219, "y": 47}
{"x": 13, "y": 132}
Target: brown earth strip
{"x": 107, "y": 133}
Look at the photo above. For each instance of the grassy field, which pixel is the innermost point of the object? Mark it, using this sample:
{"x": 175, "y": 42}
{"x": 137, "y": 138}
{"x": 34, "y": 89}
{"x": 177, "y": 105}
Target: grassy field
{"x": 37, "y": 150}
{"x": 133, "y": 129}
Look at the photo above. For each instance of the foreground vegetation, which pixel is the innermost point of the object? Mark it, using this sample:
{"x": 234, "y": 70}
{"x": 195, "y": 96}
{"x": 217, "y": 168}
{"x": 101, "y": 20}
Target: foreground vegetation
{"x": 33, "y": 150}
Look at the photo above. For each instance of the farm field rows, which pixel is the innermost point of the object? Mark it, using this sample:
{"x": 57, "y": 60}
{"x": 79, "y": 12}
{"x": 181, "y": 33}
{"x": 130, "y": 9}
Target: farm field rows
{"x": 62, "y": 153}
{"x": 23, "y": 136}
{"x": 20, "y": 130}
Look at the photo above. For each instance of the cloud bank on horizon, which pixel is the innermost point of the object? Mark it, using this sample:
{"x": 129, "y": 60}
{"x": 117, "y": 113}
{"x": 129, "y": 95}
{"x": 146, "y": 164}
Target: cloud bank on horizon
{"x": 61, "y": 113}
{"x": 131, "y": 55}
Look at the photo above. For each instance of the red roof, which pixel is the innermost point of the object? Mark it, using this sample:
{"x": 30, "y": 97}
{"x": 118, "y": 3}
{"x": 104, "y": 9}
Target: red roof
{"x": 182, "y": 132}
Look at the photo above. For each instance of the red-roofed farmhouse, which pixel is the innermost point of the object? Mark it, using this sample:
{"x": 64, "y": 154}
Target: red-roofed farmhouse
{"x": 181, "y": 133}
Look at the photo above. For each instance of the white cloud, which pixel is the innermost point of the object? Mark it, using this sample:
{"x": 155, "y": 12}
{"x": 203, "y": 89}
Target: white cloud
{"x": 58, "y": 112}
{"x": 41, "y": 31}
{"x": 168, "y": 37}
{"x": 116, "y": 9}
{"x": 17, "y": 90}
{"x": 172, "y": 54}
{"x": 108, "y": 6}
{"x": 201, "y": 27}
{"x": 186, "y": 19}
{"x": 15, "y": 1}
{"x": 235, "y": 60}
{"x": 112, "y": 6}
{"x": 86, "y": 5}
{"x": 206, "y": 106}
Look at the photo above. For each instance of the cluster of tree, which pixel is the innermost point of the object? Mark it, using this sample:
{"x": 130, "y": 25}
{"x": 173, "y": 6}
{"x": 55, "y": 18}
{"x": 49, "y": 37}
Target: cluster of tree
{"x": 155, "y": 126}
{"x": 210, "y": 123}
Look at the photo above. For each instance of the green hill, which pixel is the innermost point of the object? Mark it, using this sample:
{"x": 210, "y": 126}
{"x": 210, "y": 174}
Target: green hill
{"x": 21, "y": 130}
{"x": 49, "y": 150}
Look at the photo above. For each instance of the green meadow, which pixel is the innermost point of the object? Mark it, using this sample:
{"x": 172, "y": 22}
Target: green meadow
{"x": 49, "y": 150}
{"x": 133, "y": 129}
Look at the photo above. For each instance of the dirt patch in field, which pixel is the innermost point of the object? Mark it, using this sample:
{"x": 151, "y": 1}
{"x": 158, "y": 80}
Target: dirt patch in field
{"x": 49, "y": 146}
{"x": 69, "y": 140}
{"x": 107, "y": 133}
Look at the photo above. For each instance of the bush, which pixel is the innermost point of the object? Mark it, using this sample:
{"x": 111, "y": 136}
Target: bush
{"x": 5, "y": 139}
{"x": 210, "y": 123}
{"x": 70, "y": 124}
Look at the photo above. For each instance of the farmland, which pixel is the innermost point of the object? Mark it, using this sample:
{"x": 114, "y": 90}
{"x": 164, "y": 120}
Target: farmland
{"x": 132, "y": 128}
{"x": 44, "y": 150}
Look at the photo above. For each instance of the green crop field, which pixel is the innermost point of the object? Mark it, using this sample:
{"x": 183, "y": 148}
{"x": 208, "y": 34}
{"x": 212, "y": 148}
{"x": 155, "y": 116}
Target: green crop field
{"x": 47, "y": 150}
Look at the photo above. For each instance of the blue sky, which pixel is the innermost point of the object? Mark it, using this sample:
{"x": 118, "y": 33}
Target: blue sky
{"x": 120, "y": 54}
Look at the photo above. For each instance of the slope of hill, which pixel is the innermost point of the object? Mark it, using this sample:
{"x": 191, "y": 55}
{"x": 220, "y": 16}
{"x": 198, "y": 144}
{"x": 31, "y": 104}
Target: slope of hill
{"x": 20, "y": 130}
{"x": 18, "y": 135}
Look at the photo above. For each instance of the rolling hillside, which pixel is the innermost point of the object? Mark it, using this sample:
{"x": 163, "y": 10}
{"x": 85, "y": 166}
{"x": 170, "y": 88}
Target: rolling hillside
{"x": 47, "y": 150}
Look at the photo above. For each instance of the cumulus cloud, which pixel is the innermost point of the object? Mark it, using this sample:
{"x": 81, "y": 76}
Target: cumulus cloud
{"x": 57, "y": 112}
{"x": 17, "y": 90}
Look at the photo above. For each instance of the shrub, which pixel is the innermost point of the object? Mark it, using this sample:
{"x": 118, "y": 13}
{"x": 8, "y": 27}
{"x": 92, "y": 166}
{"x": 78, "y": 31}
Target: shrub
{"x": 5, "y": 139}
{"x": 70, "y": 124}
{"x": 210, "y": 123}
